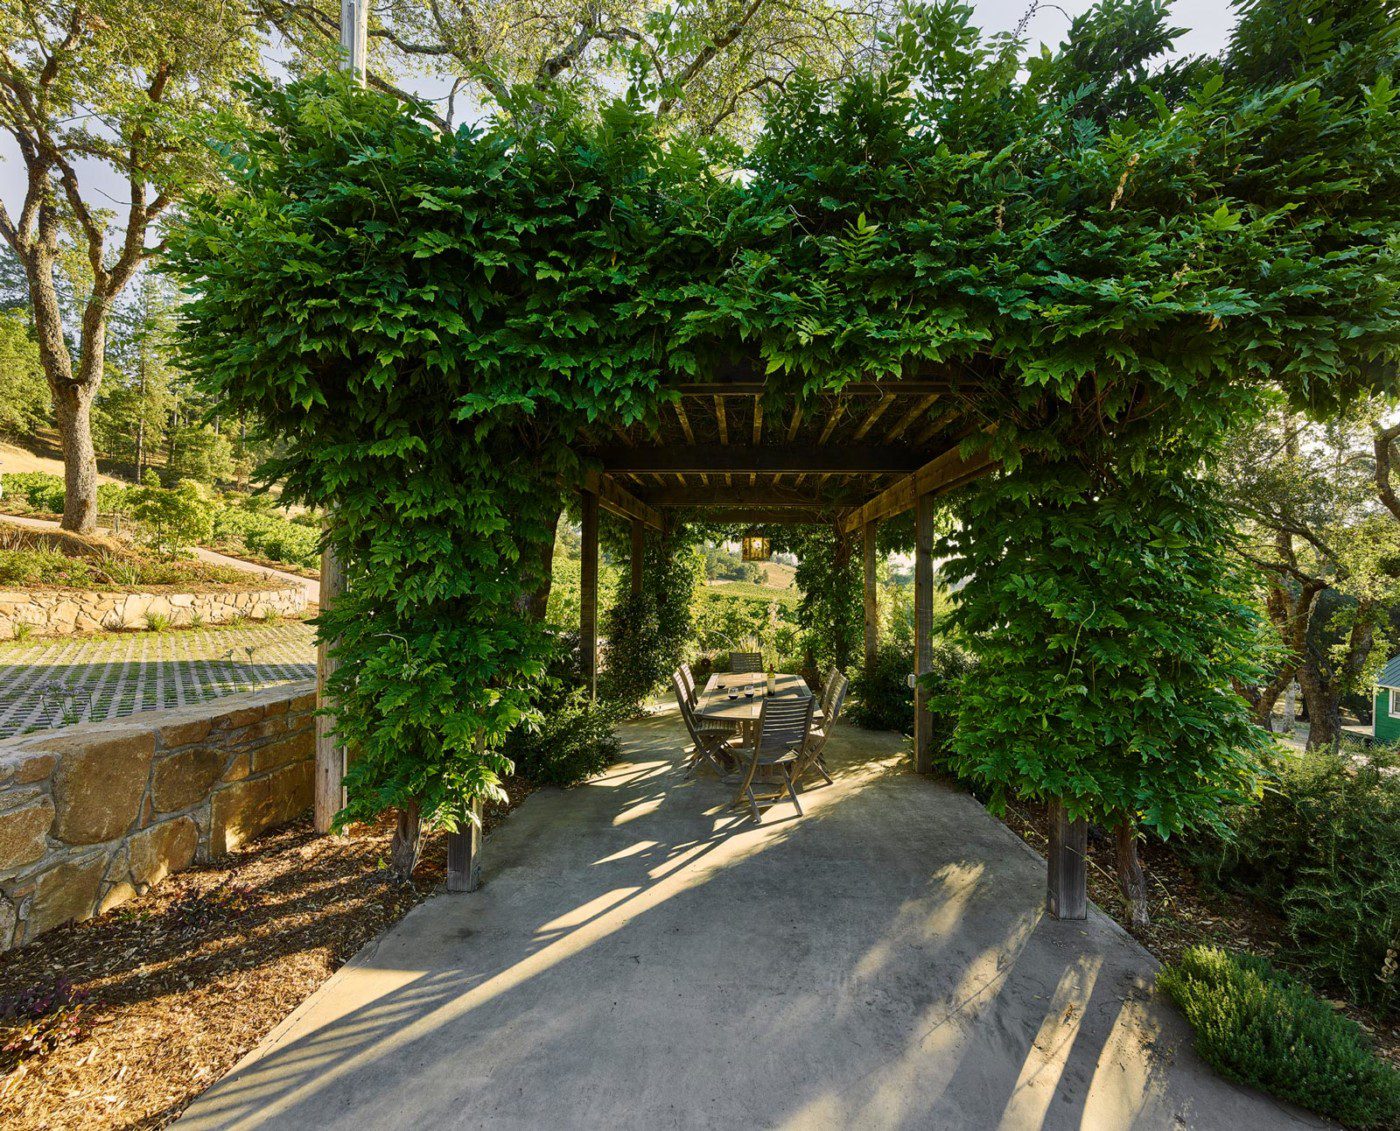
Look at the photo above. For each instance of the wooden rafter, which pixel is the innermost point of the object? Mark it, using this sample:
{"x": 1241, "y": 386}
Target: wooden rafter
{"x": 875, "y": 413}
{"x": 941, "y": 474}
{"x": 767, "y": 459}
{"x": 920, "y": 408}
{"x": 936, "y": 425}
{"x": 615, "y": 498}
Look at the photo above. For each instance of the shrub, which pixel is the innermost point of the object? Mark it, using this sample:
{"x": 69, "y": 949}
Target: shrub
{"x": 174, "y": 518}
{"x": 1258, "y": 1026}
{"x": 884, "y": 701}
{"x": 40, "y": 490}
{"x": 880, "y": 695}
{"x": 1322, "y": 850}
{"x": 45, "y": 567}
{"x": 253, "y": 527}
{"x": 112, "y": 498}
{"x": 574, "y": 737}
{"x": 574, "y": 741}
{"x": 38, "y": 1020}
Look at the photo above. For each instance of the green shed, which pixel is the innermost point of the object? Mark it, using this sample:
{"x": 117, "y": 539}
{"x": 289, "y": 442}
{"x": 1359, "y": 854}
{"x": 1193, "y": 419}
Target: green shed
{"x": 1387, "y": 706}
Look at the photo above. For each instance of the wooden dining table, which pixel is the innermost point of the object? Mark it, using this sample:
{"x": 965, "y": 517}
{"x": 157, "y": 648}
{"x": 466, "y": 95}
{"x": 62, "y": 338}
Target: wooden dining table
{"x": 744, "y": 709}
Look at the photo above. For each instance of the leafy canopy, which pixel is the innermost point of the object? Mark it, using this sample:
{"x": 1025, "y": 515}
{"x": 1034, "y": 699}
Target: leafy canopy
{"x": 1112, "y": 273}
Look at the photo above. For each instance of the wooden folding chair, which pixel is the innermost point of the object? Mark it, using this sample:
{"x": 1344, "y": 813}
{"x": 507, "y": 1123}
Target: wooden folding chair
{"x": 745, "y": 661}
{"x": 710, "y": 739}
{"x": 783, "y": 724}
{"x": 810, "y": 757}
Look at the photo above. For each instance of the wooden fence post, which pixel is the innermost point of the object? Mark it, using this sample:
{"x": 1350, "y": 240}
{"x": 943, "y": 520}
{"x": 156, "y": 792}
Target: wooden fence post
{"x": 639, "y": 542}
{"x": 1066, "y": 888}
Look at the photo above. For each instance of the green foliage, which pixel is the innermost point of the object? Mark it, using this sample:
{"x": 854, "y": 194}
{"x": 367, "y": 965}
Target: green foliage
{"x": 1117, "y": 268}
{"x": 258, "y": 530}
{"x": 647, "y": 632}
{"x": 201, "y": 454}
{"x": 1256, "y": 1025}
{"x": 1321, "y": 849}
{"x": 1108, "y": 623}
{"x": 46, "y": 567}
{"x": 881, "y": 698}
{"x": 830, "y": 611}
{"x": 570, "y": 738}
{"x": 38, "y": 489}
{"x": 172, "y": 519}
{"x": 24, "y": 393}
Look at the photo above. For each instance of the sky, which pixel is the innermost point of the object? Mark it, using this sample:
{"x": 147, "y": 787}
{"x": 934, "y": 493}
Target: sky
{"x": 1208, "y": 24}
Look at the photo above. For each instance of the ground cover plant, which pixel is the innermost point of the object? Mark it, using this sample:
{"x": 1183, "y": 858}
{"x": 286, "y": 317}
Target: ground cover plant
{"x": 1117, "y": 256}
{"x": 1259, "y": 1026}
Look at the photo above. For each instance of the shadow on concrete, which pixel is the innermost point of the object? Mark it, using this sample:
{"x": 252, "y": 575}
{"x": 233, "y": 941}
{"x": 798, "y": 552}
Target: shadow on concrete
{"x": 643, "y": 956}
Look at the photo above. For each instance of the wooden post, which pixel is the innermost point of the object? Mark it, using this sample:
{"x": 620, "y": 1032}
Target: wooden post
{"x": 588, "y": 594}
{"x": 330, "y": 755}
{"x": 1067, "y": 882}
{"x": 923, "y": 630}
{"x": 639, "y": 536}
{"x": 464, "y": 855}
{"x": 872, "y": 608}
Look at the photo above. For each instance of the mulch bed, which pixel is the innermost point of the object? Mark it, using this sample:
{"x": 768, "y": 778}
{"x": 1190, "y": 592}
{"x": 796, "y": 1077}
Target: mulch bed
{"x": 1185, "y": 911}
{"x": 171, "y": 989}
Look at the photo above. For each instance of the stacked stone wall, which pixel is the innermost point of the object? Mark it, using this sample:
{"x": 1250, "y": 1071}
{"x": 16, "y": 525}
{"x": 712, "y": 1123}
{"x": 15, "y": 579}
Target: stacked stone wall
{"x": 63, "y": 612}
{"x": 93, "y": 815}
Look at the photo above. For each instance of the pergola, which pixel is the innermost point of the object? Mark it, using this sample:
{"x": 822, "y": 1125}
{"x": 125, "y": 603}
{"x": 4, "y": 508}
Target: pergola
{"x": 722, "y": 452}
{"x": 727, "y": 450}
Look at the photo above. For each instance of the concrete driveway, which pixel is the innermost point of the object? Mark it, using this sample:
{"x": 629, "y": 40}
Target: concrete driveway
{"x": 639, "y": 957}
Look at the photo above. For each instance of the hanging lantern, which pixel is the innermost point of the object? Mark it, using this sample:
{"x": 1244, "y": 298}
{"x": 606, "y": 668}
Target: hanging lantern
{"x": 755, "y": 548}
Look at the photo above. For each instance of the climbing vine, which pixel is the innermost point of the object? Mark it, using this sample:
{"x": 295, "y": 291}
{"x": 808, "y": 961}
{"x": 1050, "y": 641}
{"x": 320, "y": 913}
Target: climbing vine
{"x": 1112, "y": 269}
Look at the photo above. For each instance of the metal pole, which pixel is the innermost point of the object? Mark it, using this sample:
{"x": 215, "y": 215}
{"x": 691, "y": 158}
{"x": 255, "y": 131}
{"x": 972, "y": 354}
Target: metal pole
{"x": 354, "y": 35}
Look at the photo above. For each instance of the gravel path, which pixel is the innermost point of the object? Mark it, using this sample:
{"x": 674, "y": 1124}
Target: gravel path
{"x": 57, "y": 682}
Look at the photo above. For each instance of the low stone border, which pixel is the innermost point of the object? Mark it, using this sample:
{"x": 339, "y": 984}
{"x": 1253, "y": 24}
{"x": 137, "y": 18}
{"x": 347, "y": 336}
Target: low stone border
{"x": 92, "y": 815}
{"x": 64, "y": 612}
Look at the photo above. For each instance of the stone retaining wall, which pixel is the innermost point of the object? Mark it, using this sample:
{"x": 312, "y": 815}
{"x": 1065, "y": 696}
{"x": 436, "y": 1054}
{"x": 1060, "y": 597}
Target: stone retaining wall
{"x": 92, "y": 815}
{"x": 63, "y": 612}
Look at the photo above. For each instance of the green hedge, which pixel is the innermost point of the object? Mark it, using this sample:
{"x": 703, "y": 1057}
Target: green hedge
{"x": 1258, "y": 1026}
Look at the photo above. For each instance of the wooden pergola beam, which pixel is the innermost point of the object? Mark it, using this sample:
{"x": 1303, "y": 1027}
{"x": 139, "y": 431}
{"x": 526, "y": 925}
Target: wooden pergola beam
{"x": 744, "y": 385}
{"x": 768, "y": 516}
{"x": 616, "y": 499}
{"x": 772, "y": 459}
{"x": 940, "y": 474}
{"x": 745, "y": 496}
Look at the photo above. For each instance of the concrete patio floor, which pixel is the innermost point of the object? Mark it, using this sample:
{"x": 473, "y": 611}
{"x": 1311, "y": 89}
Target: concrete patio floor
{"x": 641, "y": 957}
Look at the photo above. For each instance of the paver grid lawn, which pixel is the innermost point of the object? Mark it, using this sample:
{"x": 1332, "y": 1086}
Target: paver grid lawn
{"x": 58, "y": 682}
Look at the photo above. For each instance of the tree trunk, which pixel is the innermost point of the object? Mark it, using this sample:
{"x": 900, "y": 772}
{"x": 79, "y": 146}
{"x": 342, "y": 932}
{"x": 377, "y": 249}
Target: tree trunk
{"x": 73, "y": 413}
{"x": 1131, "y": 881}
{"x": 1323, "y": 697}
{"x": 408, "y": 840}
{"x": 537, "y": 601}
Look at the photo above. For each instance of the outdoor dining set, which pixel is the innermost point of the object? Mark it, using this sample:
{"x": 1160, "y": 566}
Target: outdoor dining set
{"x": 767, "y": 732}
